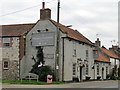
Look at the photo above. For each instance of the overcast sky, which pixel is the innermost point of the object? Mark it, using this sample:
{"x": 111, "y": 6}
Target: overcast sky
{"x": 90, "y": 17}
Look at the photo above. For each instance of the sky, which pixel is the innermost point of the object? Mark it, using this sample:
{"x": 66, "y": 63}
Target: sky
{"x": 93, "y": 18}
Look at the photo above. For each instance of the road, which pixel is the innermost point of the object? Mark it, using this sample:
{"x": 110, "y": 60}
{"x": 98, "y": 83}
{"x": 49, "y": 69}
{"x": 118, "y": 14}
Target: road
{"x": 91, "y": 84}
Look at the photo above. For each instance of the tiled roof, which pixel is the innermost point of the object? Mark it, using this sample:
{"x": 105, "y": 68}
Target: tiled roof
{"x": 74, "y": 34}
{"x": 102, "y": 58}
{"x": 19, "y": 29}
{"x": 109, "y": 53}
{"x": 15, "y": 30}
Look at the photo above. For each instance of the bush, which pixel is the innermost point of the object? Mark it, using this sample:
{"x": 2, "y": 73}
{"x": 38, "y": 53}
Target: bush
{"x": 118, "y": 78}
{"x": 115, "y": 78}
{"x": 43, "y": 72}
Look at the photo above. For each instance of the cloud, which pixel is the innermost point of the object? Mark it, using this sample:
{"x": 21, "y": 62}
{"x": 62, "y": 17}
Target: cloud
{"x": 88, "y": 16}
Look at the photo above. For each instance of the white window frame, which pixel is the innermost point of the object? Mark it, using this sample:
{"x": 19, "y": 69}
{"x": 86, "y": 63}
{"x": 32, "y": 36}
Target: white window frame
{"x": 6, "y": 43}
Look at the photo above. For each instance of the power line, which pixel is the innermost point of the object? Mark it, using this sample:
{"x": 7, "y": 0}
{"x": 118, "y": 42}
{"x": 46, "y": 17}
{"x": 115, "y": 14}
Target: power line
{"x": 19, "y": 11}
{"x": 24, "y": 9}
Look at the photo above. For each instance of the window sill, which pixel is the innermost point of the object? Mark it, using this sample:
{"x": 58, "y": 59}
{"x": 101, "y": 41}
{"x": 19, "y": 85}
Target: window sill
{"x": 5, "y": 68}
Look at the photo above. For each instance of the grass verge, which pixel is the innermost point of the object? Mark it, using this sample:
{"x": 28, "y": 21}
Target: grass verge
{"x": 29, "y": 82}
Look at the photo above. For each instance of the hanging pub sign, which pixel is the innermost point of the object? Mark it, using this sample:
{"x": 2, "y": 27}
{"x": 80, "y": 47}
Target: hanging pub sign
{"x": 43, "y": 39}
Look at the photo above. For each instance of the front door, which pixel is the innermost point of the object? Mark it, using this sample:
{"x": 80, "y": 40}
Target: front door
{"x": 102, "y": 73}
{"x": 80, "y": 73}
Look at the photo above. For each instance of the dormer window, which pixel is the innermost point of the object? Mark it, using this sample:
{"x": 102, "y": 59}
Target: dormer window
{"x": 95, "y": 53}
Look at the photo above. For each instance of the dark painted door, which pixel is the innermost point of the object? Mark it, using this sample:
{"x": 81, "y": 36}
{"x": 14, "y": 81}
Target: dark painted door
{"x": 80, "y": 73}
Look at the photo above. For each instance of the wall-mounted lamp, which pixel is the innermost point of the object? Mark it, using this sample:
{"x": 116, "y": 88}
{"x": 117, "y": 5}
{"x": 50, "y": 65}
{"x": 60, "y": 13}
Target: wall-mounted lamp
{"x": 24, "y": 36}
{"x": 93, "y": 67}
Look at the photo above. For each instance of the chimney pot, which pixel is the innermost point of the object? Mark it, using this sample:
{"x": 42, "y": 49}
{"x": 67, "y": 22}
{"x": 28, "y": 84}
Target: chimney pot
{"x": 43, "y": 5}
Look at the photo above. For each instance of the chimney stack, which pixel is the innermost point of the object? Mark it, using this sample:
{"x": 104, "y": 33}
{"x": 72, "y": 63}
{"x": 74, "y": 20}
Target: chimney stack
{"x": 45, "y": 13}
{"x": 98, "y": 43}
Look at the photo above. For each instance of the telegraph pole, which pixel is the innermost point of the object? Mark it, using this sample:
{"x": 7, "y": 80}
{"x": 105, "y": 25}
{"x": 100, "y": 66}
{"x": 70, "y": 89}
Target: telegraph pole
{"x": 57, "y": 44}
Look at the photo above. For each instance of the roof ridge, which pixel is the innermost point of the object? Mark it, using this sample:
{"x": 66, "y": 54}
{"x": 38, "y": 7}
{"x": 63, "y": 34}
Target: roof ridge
{"x": 18, "y": 24}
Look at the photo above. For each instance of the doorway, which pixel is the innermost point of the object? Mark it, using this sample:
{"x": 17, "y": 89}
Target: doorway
{"x": 80, "y": 73}
{"x": 102, "y": 73}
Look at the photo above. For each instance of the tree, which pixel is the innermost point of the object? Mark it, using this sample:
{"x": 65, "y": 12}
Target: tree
{"x": 39, "y": 60}
{"x": 40, "y": 56}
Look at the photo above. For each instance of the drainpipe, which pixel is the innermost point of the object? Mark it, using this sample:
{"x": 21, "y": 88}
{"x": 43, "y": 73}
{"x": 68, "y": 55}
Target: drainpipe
{"x": 19, "y": 69}
{"x": 115, "y": 68}
{"x": 94, "y": 70}
{"x": 63, "y": 62}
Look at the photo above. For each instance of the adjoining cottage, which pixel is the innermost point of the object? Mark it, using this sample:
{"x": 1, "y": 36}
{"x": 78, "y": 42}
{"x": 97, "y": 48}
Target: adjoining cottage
{"x": 102, "y": 62}
{"x": 105, "y": 62}
{"x": 12, "y": 48}
{"x": 114, "y": 59}
{"x": 116, "y": 49}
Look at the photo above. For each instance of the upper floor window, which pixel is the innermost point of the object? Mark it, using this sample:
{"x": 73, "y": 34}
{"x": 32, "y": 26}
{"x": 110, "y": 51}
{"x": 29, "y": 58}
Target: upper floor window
{"x": 95, "y": 54}
{"x": 6, "y": 42}
{"x": 87, "y": 54}
{"x": 74, "y": 53}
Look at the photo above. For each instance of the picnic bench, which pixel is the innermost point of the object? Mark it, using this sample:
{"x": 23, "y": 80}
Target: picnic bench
{"x": 29, "y": 76}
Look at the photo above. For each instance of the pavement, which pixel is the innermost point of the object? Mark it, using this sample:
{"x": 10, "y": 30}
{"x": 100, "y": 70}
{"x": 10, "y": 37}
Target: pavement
{"x": 90, "y": 84}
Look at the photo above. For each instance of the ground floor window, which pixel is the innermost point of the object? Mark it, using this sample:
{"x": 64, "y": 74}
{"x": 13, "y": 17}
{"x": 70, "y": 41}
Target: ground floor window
{"x": 74, "y": 69}
{"x": 5, "y": 64}
{"x": 106, "y": 70}
{"x": 97, "y": 69}
{"x": 86, "y": 69}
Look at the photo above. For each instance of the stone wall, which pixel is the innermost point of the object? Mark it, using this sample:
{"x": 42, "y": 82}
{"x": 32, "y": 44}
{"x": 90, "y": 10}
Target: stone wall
{"x": 11, "y": 55}
{"x": 12, "y": 72}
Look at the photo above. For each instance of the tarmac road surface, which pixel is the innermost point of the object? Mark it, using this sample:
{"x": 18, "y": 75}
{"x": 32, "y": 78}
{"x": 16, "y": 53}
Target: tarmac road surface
{"x": 90, "y": 84}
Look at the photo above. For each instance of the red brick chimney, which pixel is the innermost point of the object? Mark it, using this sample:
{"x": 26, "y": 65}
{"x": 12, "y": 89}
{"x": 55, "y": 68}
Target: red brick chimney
{"x": 45, "y": 13}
